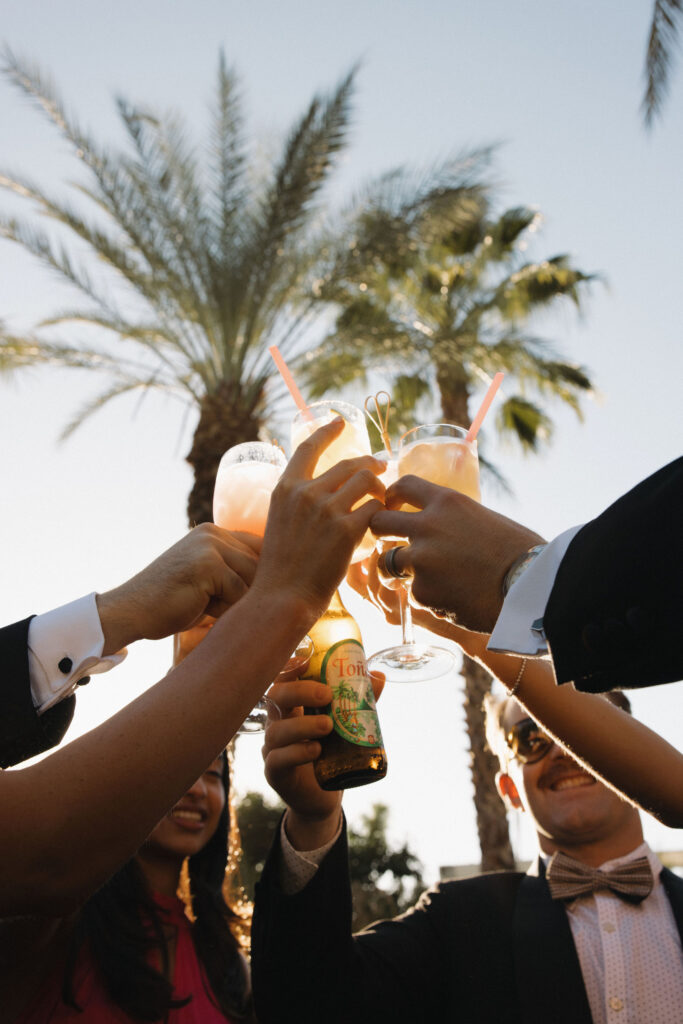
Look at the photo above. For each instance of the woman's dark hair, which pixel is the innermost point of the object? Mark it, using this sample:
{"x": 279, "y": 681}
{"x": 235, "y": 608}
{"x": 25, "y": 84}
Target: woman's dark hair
{"x": 122, "y": 925}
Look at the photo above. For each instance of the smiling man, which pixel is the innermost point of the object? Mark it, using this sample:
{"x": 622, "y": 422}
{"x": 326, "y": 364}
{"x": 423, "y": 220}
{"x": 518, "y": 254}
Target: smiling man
{"x": 591, "y": 934}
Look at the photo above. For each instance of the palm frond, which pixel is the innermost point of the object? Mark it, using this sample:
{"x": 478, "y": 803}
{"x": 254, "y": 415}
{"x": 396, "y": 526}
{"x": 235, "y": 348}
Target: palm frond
{"x": 525, "y": 421}
{"x": 662, "y": 41}
{"x": 120, "y": 387}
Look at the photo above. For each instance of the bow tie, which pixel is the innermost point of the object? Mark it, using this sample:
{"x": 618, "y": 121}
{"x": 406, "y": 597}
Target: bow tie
{"x": 569, "y": 878}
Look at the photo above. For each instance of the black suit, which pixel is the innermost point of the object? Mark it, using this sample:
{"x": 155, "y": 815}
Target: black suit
{"x": 484, "y": 950}
{"x": 613, "y": 618}
{"x": 24, "y": 733}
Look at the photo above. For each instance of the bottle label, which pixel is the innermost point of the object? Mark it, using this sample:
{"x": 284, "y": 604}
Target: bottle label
{"x": 353, "y": 701}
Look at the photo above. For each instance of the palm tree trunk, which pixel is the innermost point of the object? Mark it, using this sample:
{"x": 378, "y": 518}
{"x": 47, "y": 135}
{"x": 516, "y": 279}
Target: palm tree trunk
{"x": 492, "y": 825}
{"x": 225, "y": 419}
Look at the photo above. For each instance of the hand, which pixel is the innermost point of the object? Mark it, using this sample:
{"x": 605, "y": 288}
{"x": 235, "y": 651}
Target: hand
{"x": 364, "y": 578}
{"x": 458, "y": 551}
{"x": 313, "y": 526}
{"x": 292, "y": 744}
{"x": 204, "y": 573}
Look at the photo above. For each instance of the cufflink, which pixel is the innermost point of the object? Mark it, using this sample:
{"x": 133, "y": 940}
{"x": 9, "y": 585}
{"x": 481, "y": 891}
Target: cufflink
{"x": 65, "y": 666}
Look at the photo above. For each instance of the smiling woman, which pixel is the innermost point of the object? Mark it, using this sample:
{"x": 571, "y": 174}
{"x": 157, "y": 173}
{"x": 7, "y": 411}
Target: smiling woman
{"x": 143, "y": 948}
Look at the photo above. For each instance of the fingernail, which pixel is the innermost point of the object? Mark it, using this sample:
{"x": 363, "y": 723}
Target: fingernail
{"x": 324, "y": 723}
{"x": 324, "y": 693}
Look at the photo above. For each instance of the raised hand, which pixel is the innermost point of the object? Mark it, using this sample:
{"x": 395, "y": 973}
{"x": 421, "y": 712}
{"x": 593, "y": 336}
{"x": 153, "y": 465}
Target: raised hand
{"x": 313, "y": 525}
{"x": 458, "y": 552}
{"x": 204, "y": 573}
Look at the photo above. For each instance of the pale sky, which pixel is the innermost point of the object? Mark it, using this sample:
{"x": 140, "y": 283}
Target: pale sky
{"x": 559, "y": 87}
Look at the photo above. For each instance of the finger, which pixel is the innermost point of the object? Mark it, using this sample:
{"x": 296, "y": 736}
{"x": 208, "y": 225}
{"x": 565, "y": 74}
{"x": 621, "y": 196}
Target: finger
{"x": 281, "y": 760}
{"x": 413, "y": 490}
{"x": 288, "y": 731}
{"x": 250, "y": 541}
{"x": 362, "y": 483}
{"x": 392, "y": 524}
{"x": 357, "y": 578}
{"x": 304, "y": 460}
{"x": 299, "y": 693}
{"x": 378, "y": 680}
{"x": 342, "y": 471}
{"x": 229, "y": 589}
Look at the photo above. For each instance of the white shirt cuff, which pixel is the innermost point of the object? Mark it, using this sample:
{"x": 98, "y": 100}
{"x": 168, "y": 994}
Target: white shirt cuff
{"x": 64, "y": 645}
{"x": 519, "y": 628}
{"x": 297, "y": 868}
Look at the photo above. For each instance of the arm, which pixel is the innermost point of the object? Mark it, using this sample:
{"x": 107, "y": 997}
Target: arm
{"x": 76, "y": 816}
{"x": 303, "y": 950}
{"x": 621, "y": 751}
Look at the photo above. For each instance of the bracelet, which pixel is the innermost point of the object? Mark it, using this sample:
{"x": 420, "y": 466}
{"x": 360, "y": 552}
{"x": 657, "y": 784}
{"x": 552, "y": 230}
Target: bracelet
{"x": 515, "y": 686}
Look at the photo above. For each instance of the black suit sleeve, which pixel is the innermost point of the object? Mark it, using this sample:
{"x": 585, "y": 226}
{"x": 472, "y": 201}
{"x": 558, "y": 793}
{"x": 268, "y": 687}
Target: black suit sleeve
{"x": 307, "y": 966}
{"x": 24, "y": 733}
{"x": 613, "y": 617}
{"x": 431, "y": 964}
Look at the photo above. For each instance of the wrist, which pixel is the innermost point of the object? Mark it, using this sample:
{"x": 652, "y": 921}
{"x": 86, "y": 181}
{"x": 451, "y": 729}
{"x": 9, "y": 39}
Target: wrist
{"x": 309, "y": 832}
{"x": 118, "y": 624}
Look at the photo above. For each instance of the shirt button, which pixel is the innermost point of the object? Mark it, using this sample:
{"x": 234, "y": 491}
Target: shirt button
{"x": 609, "y": 927}
{"x": 616, "y": 1003}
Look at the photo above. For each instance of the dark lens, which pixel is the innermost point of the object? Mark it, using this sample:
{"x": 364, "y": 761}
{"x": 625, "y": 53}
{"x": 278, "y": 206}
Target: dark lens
{"x": 528, "y": 742}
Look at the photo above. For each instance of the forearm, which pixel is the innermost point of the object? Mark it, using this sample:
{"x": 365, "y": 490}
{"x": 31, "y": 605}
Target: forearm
{"x": 86, "y": 818}
{"x": 623, "y": 752}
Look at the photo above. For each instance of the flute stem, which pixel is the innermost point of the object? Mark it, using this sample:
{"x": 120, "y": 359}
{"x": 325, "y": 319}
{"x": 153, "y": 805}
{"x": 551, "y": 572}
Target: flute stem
{"x": 406, "y": 613}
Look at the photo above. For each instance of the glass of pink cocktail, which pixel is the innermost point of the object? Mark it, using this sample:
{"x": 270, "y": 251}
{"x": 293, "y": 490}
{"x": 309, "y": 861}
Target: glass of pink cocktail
{"x": 246, "y": 477}
{"x": 440, "y": 453}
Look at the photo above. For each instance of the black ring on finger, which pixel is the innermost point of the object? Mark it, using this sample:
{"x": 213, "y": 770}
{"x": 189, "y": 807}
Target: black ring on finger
{"x": 389, "y": 563}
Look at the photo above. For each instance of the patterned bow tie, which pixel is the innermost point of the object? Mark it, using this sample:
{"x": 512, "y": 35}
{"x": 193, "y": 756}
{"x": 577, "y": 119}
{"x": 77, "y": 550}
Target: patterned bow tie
{"x": 569, "y": 878}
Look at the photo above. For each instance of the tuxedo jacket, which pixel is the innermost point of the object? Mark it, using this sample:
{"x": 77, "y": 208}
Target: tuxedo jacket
{"x": 485, "y": 950}
{"x": 24, "y": 733}
{"x": 613, "y": 619}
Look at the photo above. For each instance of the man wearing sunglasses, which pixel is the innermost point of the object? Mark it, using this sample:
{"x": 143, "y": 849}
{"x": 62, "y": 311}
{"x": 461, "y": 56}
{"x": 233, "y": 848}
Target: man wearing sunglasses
{"x": 591, "y": 934}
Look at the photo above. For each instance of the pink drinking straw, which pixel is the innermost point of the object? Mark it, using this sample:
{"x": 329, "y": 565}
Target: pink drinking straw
{"x": 484, "y": 407}
{"x": 289, "y": 381}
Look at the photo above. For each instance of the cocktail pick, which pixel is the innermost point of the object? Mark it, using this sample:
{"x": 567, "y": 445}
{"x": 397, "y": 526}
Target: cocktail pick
{"x": 484, "y": 407}
{"x": 290, "y": 382}
{"x": 381, "y": 420}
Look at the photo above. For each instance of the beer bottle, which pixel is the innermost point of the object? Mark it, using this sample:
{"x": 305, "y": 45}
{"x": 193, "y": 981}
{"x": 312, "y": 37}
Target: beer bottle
{"x": 353, "y": 753}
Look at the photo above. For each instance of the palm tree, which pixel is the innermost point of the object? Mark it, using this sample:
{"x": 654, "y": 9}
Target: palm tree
{"x": 662, "y": 39}
{"x": 205, "y": 262}
{"x": 194, "y": 263}
{"x": 437, "y": 305}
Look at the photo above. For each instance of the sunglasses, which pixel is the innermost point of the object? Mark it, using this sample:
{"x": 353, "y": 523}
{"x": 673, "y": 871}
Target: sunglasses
{"x": 528, "y": 742}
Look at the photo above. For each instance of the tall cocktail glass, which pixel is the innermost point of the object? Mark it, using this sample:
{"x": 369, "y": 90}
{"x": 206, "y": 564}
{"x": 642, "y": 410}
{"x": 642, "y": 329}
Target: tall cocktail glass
{"x": 352, "y": 442}
{"x": 246, "y": 477}
{"x": 437, "y": 452}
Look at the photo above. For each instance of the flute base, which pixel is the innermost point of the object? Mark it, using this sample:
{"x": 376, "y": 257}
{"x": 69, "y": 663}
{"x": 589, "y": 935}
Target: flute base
{"x": 413, "y": 663}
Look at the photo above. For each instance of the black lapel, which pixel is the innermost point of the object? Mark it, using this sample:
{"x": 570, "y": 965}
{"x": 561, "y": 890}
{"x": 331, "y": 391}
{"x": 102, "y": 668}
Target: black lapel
{"x": 673, "y": 886}
{"x": 546, "y": 964}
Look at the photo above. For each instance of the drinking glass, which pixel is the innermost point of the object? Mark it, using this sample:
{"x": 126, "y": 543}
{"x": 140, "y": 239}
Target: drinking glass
{"x": 246, "y": 477}
{"x": 352, "y": 442}
{"x": 437, "y": 452}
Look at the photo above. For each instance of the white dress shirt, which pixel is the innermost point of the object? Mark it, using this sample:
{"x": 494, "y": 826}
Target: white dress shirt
{"x": 519, "y": 629}
{"x": 64, "y": 646}
{"x": 630, "y": 954}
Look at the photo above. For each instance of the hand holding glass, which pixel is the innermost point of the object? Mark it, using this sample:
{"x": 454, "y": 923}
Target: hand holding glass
{"x": 437, "y": 452}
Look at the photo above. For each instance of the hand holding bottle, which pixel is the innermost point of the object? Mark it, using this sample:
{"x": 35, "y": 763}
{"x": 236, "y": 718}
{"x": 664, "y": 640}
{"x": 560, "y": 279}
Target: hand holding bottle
{"x": 292, "y": 744}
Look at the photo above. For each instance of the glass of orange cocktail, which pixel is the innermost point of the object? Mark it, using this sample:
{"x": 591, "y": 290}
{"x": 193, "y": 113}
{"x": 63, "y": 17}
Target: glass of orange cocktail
{"x": 246, "y": 477}
{"x": 440, "y": 453}
{"x": 353, "y": 441}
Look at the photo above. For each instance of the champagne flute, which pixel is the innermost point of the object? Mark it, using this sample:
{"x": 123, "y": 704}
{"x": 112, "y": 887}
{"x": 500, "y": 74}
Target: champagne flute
{"x": 246, "y": 477}
{"x": 440, "y": 453}
{"x": 353, "y": 441}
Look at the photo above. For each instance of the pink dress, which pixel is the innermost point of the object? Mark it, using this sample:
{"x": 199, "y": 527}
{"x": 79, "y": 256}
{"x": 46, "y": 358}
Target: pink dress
{"x": 188, "y": 979}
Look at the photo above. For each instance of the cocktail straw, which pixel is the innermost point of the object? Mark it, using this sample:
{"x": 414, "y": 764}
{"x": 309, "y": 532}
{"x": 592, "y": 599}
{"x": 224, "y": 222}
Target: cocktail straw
{"x": 484, "y": 407}
{"x": 290, "y": 382}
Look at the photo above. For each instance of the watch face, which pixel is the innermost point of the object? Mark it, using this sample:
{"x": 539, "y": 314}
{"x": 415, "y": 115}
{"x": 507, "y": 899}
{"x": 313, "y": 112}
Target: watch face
{"x": 518, "y": 567}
